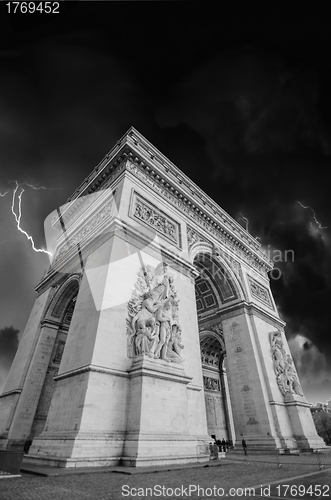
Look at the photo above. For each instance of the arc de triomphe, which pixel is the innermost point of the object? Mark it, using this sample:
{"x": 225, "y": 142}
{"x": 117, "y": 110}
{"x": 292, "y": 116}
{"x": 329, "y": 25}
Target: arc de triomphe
{"x": 153, "y": 329}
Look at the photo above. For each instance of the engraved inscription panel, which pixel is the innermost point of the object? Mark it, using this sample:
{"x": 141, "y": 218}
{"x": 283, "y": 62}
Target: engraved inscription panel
{"x": 210, "y": 409}
{"x": 248, "y": 409}
{"x": 46, "y": 393}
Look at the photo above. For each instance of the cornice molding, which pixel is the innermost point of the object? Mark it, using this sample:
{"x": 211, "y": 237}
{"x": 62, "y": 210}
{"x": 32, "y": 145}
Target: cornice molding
{"x": 50, "y": 323}
{"x": 236, "y": 244}
{"x": 91, "y": 368}
{"x": 9, "y": 393}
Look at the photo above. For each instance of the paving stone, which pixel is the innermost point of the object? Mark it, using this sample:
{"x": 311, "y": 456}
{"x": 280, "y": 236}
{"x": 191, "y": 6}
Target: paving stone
{"x": 109, "y": 485}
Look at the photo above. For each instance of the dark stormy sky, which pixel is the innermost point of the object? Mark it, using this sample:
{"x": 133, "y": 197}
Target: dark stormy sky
{"x": 240, "y": 101}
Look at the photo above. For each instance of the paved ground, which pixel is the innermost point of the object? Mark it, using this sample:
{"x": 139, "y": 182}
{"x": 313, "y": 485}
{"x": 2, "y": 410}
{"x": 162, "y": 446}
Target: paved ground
{"x": 211, "y": 480}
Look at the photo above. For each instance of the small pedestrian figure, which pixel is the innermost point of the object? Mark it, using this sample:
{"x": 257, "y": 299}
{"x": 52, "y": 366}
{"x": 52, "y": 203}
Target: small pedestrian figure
{"x": 223, "y": 445}
{"x": 227, "y": 444}
{"x": 219, "y": 444}
{"x": 215, "y": 451}
{"x": 27, "y": 445}
{"x": 243, "y": 442}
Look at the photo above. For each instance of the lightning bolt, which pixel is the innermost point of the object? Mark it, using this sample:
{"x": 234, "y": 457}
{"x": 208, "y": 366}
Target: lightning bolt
{"x": 18, "y": 217}
{"x": 3, "y": 194}
{"x": 245, "y": 220}
{"x": 31, "y": 185}
{"x": 34, "y": 187}
{"x": 314, "y": 216}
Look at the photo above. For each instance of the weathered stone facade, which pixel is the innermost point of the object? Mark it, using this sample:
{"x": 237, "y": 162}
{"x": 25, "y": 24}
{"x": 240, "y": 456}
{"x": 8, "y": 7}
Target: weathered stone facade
{"x": 153, "y": 329}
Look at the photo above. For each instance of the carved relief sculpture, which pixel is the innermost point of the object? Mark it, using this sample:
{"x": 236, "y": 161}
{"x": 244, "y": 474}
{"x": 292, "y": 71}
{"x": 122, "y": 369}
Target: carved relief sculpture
{"x": 218, "y": 329}
{"x": 175, "y": 345}
{"x": 152, "y": 324}
{"x": 147, "y": 213}
{"x": 211, "y": 384}
{"x": 286, "y": 375}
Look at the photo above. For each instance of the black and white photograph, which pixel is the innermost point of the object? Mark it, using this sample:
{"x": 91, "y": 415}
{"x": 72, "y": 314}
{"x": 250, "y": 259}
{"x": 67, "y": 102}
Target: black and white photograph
{"x": 165, "y": 250}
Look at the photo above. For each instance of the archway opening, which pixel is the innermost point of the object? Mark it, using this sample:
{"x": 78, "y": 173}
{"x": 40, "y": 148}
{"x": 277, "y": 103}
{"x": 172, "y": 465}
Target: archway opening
{"x": 64, "y": 309}
{"x": 212, "y": 359}
{"x": 215, "y": 291}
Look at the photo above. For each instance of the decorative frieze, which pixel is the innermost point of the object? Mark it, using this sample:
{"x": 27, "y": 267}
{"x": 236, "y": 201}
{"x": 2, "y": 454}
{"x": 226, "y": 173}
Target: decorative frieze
{"x": 77, "y": 237}
{"x": 68, "y": 214}
{"x": 259, "y": 292}
{"x": 144, "y": 211}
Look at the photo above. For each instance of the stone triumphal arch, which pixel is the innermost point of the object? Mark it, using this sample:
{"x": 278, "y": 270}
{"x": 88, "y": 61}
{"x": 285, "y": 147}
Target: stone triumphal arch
{"x": 153, "y": 329}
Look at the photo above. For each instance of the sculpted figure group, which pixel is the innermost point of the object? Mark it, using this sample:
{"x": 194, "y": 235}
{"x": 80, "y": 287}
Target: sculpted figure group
{"x": 153, "y": 327}
{"x": 286, "y": 376}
